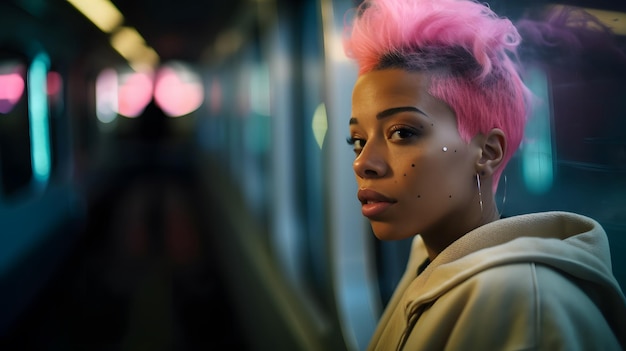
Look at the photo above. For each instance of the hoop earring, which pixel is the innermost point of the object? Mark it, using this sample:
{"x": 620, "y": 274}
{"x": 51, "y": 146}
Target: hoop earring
{"x": 503, "y": 197}
{"x": 480, "y": 194}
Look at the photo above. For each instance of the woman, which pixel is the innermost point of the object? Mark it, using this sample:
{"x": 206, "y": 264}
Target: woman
{"x": 438, "y": 110}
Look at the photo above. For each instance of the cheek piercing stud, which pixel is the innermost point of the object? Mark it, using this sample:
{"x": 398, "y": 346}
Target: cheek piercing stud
{"x": 445, "y": 148}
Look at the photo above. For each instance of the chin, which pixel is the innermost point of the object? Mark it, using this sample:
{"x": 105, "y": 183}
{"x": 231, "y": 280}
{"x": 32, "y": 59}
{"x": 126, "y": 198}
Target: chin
{"x": 388, "y": 232}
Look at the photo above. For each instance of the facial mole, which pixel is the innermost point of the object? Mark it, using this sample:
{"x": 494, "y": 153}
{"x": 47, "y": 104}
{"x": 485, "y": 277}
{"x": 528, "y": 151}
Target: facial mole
{"x": 413, "y": 165}
{"x": 450, "y": 196}
{"x": 419, "y": 196}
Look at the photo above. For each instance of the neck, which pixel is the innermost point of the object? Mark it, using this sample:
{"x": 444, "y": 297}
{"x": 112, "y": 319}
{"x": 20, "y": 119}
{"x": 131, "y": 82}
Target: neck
{"x": 440, "y": 238}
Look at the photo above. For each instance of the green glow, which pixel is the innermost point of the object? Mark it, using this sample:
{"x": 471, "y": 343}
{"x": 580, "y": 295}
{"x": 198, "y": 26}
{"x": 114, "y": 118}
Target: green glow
{"x": 38, "y": 114}
{"x": 320, "y": 124}
{"x": 537, "y": 153}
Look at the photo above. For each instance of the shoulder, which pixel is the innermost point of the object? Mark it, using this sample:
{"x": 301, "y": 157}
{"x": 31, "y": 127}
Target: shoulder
{"x": 527, "y": 287}
{"x": 525, "y": 304}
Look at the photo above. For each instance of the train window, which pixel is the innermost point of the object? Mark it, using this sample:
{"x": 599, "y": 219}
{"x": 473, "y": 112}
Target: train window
{"x": 256, "y": 135}
{"x": 352, "y": 253}
{"x": 537, "y": 153}
{"x": 251, "y": 129}
{"x": 25, "y": 154}
{"x": 313, "y": 124}
{"x": 15, "y": 160}
{"x": 574, "y": 154}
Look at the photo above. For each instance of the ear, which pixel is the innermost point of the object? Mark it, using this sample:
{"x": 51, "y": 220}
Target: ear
{"x": 492, "y": 148}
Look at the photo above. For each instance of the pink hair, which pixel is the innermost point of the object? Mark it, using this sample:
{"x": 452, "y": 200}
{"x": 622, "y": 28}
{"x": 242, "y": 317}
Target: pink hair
{"x": 467, "y": 51}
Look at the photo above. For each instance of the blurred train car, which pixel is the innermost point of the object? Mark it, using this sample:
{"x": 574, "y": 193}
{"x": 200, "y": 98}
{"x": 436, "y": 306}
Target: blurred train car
{"x": 174, "y": 175}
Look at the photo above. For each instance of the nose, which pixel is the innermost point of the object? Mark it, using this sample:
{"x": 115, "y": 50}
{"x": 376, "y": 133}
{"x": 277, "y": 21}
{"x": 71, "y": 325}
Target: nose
{"x": 370, "y": 163}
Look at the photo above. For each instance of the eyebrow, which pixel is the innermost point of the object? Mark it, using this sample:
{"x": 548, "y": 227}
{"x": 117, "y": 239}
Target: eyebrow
{"x": 392, "y": 111}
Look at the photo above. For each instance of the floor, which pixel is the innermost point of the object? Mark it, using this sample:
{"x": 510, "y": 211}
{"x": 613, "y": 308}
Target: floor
{"x": 143, "y": 277}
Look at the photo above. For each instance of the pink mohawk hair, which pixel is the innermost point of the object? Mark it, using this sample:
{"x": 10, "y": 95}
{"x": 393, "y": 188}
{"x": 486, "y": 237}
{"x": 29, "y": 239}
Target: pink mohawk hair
{"x": 466, "y": 49}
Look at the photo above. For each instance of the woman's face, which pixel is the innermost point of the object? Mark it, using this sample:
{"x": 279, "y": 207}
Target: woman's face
{"x": 414, "y": 172}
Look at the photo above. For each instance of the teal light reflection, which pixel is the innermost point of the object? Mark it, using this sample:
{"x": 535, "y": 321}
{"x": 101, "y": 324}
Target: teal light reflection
{"x": 38, "y": 114}
{"x": 537, "y": 153}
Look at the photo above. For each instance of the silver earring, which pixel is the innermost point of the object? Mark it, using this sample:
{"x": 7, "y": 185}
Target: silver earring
{"x": 503, "y": 196}
{"x": 480, "y": 194}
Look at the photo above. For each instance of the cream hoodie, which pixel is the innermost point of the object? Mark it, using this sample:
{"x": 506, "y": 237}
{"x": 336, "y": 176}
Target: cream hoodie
{"x": 532, "y": 282}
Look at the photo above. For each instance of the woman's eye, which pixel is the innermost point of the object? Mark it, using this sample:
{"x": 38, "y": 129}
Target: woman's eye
{"x": 356, "y": 143}
{"x": 401, "y": 133}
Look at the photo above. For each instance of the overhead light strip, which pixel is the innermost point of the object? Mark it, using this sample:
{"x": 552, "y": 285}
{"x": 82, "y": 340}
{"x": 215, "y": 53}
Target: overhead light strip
{"x": 125, "y": 40}
{"x": 612, "y": 19}
{"x": 101, "y": 12}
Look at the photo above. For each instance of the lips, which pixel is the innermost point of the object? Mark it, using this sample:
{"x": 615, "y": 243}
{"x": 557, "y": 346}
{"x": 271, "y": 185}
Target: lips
{"x": 373, "y": 203}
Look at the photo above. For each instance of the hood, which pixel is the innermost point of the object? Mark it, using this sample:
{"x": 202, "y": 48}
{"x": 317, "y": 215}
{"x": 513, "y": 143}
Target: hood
{"x": 571, "y": 243}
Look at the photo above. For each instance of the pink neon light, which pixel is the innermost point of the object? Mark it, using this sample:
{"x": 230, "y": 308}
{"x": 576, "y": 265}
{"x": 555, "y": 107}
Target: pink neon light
{"x": 54, "y": 83}
{"x": 11, "y": 91}
{"x": 134, "y": 94}
{"x": 176, "y": 96}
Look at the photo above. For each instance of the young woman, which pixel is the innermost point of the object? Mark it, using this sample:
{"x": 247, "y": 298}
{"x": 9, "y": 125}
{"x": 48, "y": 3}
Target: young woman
{"x": 438, "y": 110}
